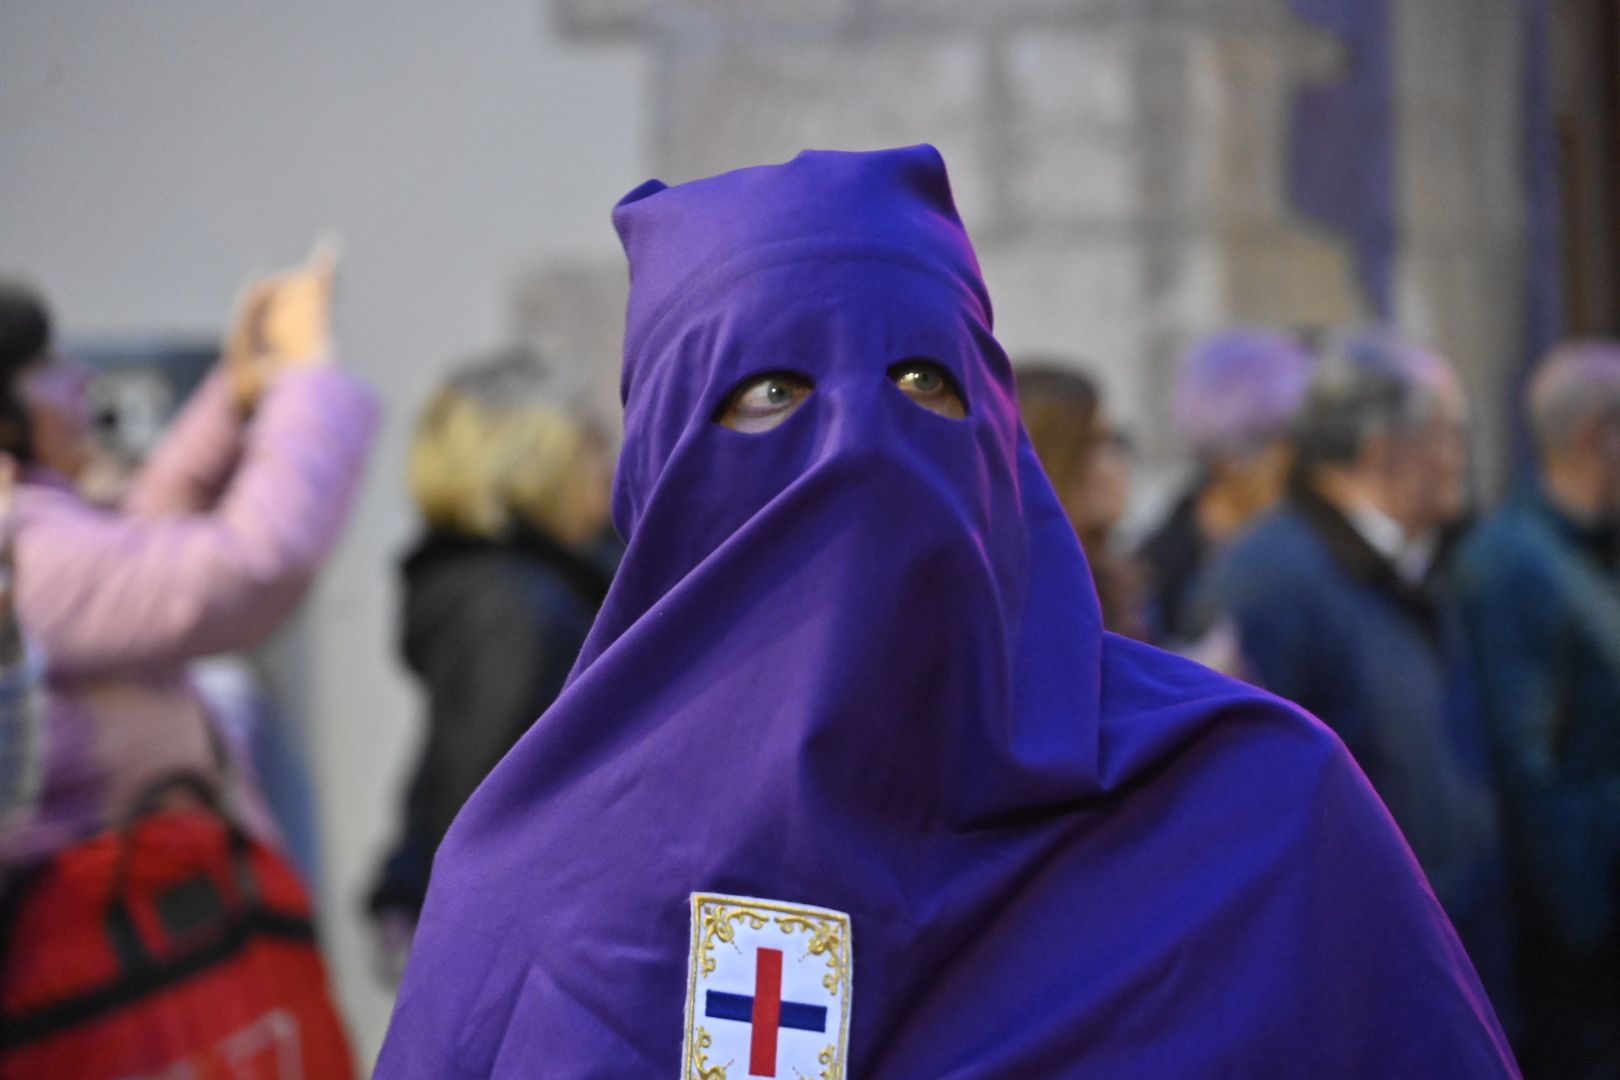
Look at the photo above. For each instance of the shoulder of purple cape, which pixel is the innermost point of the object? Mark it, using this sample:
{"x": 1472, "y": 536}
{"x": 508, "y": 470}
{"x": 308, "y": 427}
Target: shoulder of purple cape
{"x": 1234, "y": 902}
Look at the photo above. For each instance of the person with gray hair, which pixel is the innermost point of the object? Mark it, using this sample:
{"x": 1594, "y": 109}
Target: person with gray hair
{"x": 1538, "y": 587}
{"x": 1234, "y": 401}
{"x": 1338, "y": 608}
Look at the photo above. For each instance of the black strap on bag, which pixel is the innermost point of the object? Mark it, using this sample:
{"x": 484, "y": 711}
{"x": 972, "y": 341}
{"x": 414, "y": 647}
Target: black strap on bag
{"x": 189, "y": 908}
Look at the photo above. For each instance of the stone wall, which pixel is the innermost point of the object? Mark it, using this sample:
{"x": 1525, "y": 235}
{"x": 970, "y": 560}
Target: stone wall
{"x": 1122, "y": 166}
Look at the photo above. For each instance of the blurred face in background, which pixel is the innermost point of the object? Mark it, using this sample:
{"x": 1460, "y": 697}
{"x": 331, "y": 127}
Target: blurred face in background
{"x": 1425, "y": 470}
{"x": 1254, "y": 479}
{"x": 1084, "y": 456}
{"x": 1235, "y": 399}
{"x": 1609, "y": 458}
{"x": 1574, "y": 413}
{"x": 1593, "y": 449}
{"x": 56, "y": 394}
{"x": 1097, "y": 494}
{"x": 590, "y": 494}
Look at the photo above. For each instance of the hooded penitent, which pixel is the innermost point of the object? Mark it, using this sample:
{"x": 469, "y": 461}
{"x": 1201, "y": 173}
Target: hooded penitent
{"x": 848, "y": 782}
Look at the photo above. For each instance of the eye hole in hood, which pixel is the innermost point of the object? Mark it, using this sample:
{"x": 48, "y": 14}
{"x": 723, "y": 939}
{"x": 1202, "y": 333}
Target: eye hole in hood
{"x": 930, "y": 386}
{"x": 761, "y": 402}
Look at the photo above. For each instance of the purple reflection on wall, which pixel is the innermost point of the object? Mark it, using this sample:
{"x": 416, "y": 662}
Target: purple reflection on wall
{"x": 1341, "y": 172}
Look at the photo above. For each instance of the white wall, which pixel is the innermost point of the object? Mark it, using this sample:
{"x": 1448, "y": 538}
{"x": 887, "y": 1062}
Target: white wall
{"x": 153, "y": 154}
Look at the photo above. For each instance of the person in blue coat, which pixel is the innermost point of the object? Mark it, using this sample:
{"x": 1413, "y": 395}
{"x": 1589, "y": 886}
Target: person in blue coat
{"x": 1338, "y": 609}
{"x": 1539, "y": 590}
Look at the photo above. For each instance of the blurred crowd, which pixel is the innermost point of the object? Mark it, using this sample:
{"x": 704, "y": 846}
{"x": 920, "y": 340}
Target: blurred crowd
{"x": 1326, "y": 548}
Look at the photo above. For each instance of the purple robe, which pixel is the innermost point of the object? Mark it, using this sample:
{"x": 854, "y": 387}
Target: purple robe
{"x": 856, "y": 662}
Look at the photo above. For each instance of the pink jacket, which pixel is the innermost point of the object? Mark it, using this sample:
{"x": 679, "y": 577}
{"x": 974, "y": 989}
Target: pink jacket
{"x": 222, "y": 532}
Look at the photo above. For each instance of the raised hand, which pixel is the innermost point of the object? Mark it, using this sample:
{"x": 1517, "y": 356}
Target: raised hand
{"x": 296, "y": 327}
{"x": 282, "y": 322}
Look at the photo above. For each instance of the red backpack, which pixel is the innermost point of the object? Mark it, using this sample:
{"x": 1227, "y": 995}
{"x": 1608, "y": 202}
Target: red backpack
{"x": 177, "y": 948}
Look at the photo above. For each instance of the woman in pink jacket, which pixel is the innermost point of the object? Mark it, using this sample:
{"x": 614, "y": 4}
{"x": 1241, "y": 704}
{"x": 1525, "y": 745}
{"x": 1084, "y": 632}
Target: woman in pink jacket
{"x": 221, "y": 534}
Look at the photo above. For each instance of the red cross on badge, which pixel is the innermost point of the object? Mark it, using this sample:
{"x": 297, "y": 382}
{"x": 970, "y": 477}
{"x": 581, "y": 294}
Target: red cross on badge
{"x": 765, "y": 1011}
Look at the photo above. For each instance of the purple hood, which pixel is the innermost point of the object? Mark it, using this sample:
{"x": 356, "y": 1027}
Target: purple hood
{"x": 856, "y": 662}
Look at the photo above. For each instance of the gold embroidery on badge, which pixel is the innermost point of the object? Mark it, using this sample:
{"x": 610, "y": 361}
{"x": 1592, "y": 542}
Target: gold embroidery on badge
{"x": 827, "y": 939}
{"x": 700, "y": 1067}
{"x": 718, "y": 925}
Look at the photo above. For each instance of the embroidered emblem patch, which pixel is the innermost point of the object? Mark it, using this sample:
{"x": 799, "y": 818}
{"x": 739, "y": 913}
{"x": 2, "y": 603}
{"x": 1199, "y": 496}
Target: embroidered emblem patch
{"x": 767, "y": 990}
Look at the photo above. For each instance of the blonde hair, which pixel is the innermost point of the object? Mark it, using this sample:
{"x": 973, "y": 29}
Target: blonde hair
{"x": 503, "y": 444}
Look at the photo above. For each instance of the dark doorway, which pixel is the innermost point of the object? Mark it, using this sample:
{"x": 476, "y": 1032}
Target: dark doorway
{"x": 1586, "y": 107}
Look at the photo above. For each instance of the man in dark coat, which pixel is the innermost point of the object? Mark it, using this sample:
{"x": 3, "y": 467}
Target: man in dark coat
{"x": 1337, "y": 609}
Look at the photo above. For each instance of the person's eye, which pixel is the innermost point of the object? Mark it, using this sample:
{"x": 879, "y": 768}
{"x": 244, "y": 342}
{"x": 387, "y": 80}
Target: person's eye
{"x": 761, "y": 402}
{"x": 929, "y": 385}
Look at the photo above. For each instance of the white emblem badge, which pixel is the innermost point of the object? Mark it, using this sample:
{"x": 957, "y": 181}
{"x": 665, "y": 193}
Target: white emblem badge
{"x": 767, "y": 990}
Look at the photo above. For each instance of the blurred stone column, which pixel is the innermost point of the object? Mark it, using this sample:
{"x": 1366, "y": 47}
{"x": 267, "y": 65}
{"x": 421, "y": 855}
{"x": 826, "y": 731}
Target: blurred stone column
{"x": 1461, "y": 187}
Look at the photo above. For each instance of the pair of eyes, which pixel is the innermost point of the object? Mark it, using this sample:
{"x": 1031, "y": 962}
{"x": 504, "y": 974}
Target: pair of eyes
{"x": 761, "y": 402}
